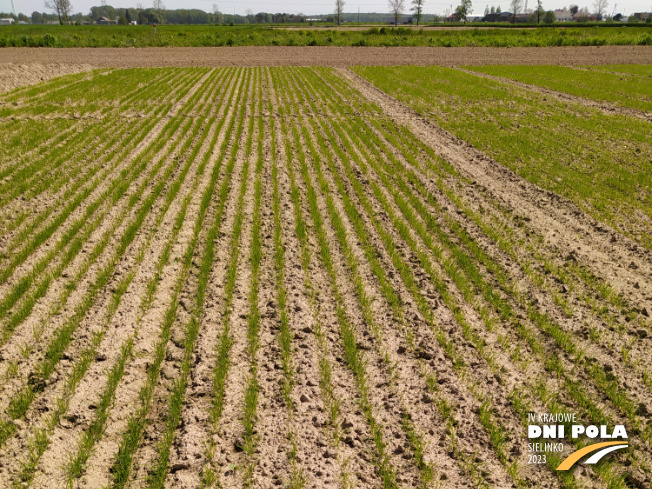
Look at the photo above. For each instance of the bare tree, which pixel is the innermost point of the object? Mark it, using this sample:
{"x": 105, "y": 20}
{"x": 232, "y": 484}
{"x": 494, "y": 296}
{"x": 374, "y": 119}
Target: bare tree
{"x": 418, "y": 9}
{"x": 600, "y": 7}
{"x": 160, "y": 10}
{"x": 218, "y": 17}
{"x": 339, "y": 11}
{"x": 396, "y": 8}
{"x": 516, "y": 6}
{"x": 61, "y": 7}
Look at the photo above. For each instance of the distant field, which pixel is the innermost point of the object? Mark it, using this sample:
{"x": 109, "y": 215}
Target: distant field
{"x": 167, "y": 35}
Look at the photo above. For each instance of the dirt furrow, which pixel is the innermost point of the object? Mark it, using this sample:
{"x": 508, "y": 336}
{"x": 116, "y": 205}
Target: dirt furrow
{"x": 62, "y": 388}
{"x": 127, "y": 328}
{"x": 128, "y": 393}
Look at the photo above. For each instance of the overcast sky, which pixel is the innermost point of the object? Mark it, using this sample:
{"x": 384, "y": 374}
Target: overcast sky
{"x": 311, "y": 7}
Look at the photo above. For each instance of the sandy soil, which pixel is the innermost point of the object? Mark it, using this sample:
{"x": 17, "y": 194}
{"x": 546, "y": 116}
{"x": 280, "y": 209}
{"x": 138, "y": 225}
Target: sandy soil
{"x": 16, "y": 73}
{"x": 324, "y": 56}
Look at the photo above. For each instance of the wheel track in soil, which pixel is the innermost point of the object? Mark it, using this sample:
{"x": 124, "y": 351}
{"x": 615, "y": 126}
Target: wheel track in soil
{"x": 604, "y": 107}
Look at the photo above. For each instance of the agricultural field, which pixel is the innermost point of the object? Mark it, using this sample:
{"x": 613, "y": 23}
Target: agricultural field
{"x": 321, "y": 277}
{"x": 258, "y": 35}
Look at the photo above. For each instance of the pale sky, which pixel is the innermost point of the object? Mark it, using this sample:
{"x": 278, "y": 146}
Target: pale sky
{"x": 313, "y": 7}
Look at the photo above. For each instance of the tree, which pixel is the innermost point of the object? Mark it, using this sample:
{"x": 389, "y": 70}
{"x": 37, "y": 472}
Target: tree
{"x": 418, "y": 9}
{"x": 600, "y": 6}
{"x": 486, "y": 10}
{"x": 549, "y": 18}
{"x": 498, "y": 9}
{"x": 540, "y": 12}
{"x": 463, "y": 10}
{"x": 396, "y": 8}
{"x": 37, "y": 18}
{"x": 339, "y": 11}
{"x": 574, "y": 9}
{"x": 128, "y": 16}
{"x": 61, "y": 7}
{"x": 160, "y": 10}
{"x": 516, "y": 6}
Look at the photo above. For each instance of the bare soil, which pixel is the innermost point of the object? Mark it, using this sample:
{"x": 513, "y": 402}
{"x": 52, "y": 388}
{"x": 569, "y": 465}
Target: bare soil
{"x": 323, "y": 56}
{"x": 16, "y": 73}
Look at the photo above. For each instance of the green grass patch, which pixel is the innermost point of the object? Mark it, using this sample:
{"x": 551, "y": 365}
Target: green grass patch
{"x": 628, "y": 91}
{"x": 601, "y": 162}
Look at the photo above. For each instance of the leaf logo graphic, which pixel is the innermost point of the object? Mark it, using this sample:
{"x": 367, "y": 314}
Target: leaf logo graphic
{"x": 602, "y": 448}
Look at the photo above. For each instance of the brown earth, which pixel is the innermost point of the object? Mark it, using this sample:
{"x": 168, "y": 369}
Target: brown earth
{"x": 16, "y": 73}
{"x": 325, "y": 56}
